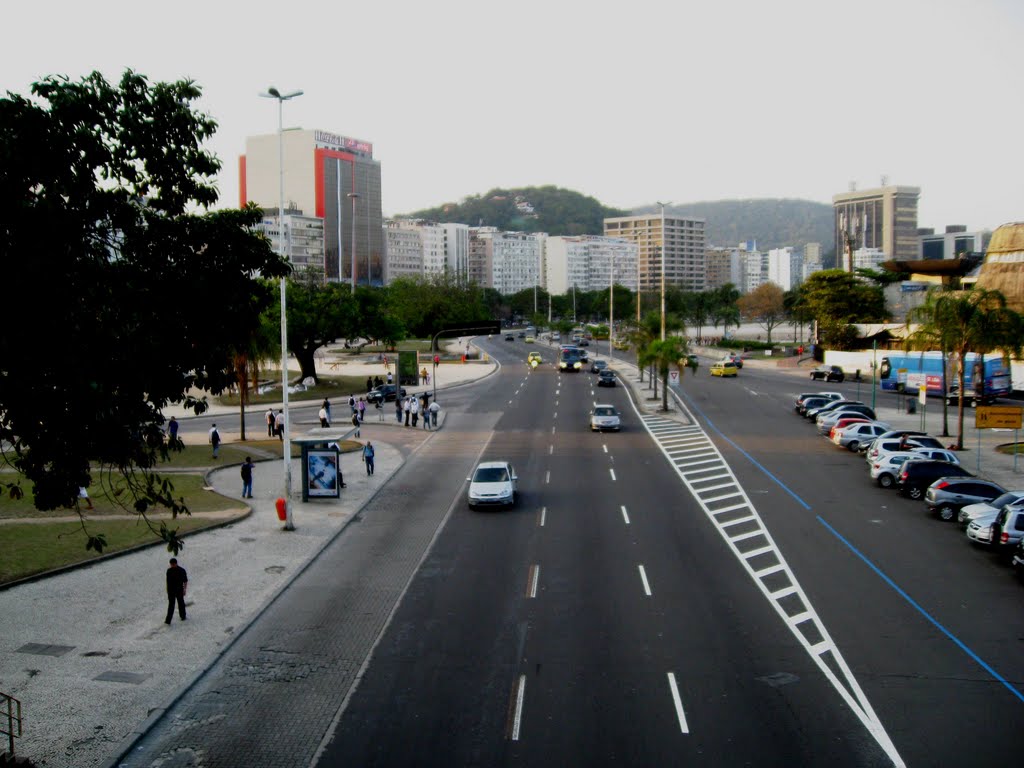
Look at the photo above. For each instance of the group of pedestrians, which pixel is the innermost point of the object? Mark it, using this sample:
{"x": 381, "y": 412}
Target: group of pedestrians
{"x": 275, "y": 423}
{"x": 411, "y": 408}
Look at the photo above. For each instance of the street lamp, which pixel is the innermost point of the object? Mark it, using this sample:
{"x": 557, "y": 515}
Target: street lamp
{"x": 611, "y": 305}
{"x": 273, "y": 93}
{"x": 664, "y": 239}
{"x": 353, "y": 196}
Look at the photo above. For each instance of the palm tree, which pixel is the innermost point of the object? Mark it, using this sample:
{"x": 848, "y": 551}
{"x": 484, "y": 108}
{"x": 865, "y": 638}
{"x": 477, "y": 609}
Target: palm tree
{"x": 648, "y": 330}
{"x": 930, "y": 333}
{"x": 975, "y": 321}
{"x": 665, "y": 353}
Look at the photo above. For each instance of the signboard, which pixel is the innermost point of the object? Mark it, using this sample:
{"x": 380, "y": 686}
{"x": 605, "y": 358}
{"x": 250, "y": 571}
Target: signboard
{"x": 408, "y": 368}
{"x": 673, "y": 379}
{"x": 322, "y": 473}
{"x": 997, "y": 417}
{"x": 334, "y": 141}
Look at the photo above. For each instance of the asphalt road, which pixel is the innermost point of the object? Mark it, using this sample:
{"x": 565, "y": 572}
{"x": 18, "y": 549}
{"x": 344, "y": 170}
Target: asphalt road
{"x": 733, "y": 592}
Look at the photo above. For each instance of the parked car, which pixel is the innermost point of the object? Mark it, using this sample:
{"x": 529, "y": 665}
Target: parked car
{"x": 811, "y": 402}
{"x": 583, "y": 342}
{"x": 724, "y": 368}
{"x": 804, "y": 396}
{"x": 988, "y": 509}
{"x": 827, "y": 420}
{"x": 604, "y": 417}
{"x": 846, "y": 421}
{"x": 886, "y": 469}
{"x": 385, "y": 393}
{"x": 813, "y": 413}
{"x": 883, "y": 445}
{"x": 606, "y": 378}
{"x": 916, "y": 476}
{"x": 828, "y": 373}
{"x": 1018, "y": 560}
{"x": 492, "y": 484}
{"x": 851, "y": 436}
{"x": 1007, "y": 530}
{"x": 948, "y": 495}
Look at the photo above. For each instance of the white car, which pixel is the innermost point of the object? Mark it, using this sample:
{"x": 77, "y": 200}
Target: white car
{"x": 885, "y": 469}
{"x": 883, "y": 447}
{"x": 852, "y": 436}
{"x": 987, "y": 509}
{"x": 492, "y": 484}
{"x": 604, "y": 417}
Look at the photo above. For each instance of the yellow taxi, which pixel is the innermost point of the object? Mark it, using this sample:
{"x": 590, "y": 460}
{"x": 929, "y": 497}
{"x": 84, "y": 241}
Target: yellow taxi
{"x": 530, "y": 340}
{"x": 534, "y": 359}
{"x": 724, "y": 368}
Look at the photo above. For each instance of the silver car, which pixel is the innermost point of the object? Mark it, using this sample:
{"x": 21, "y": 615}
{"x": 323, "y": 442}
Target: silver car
{"x": 853, "y": 435}
{"x": 604, "y": 417}
{"x": 1006, "y": 530}
{"x": 987, "y": 510}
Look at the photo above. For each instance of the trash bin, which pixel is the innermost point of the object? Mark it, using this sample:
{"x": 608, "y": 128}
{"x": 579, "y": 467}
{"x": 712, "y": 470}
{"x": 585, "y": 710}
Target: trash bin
{"x": 911, "y": 405}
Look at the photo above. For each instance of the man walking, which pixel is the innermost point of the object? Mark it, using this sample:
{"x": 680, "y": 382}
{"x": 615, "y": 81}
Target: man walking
{"x": 406, "y": 407}
{"x": 355, "y": 422}
{"x": 414, "y": 408}
{"x": 434, "y": 410}
{"x": 271, "y": 421}
{"x": 279, "y": 424}
{"x": 368, "y": 457}
{"x": 322, "y": 415}
{"x": 172, "y": 429}
{"x": 177, "y": 586}
{"x": 398, "y": 410}
{"x": 215, "y": 440}
{"x": 247, "y": 468}
{"x": 327, "y": 407}
{"x": 362, "y": 408}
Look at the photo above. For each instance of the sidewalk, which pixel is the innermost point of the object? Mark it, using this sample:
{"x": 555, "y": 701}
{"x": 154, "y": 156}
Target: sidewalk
{"x": 87, "y": 652}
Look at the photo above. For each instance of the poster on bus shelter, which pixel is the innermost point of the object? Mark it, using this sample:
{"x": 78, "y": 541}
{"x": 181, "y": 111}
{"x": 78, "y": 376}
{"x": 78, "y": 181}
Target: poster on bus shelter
{"x": 322, "y": 473}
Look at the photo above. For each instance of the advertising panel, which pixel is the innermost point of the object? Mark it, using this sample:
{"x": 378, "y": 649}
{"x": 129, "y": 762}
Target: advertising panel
{"x": 322, "y": 473}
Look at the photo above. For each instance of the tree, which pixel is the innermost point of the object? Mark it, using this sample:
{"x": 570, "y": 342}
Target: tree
{"x": 973, "y": 321}
{"x": 764, "y": 306}
{"x": 125, "y": 299}
{"x": 835, "y": 298}
{"x": 318, "y": 314}
{"x": 929, "y": 333}
{"x": 664, "y": 353}
{"x": 723, "y": 306}
{"x": 423, "y": 305}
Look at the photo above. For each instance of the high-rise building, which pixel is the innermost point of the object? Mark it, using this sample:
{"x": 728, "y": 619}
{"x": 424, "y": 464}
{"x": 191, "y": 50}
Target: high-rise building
{"x": 679, "y": 247}
{"x": 955, "y": 242}
{"x": 506, "y": 261}
{"x": 329, "y": 177}
{"x": 884, "y": 218}
{"x": 584, "y": 261}
{"x": 784, "y": 268}
{"x": 404, "y": 251}
{"x": 724, "y": 266}
{"x": 303, "y": 237}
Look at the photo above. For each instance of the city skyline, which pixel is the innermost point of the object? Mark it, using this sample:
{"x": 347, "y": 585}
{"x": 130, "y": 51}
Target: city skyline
{"x": 690, "y": 104}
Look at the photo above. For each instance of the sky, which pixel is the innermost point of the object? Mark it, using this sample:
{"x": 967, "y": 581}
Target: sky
{"x": 627, "y": 102}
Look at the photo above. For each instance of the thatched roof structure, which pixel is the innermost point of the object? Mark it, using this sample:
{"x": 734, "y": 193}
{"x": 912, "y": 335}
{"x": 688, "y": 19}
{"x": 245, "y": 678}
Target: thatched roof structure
{"x": 1003, "y": 269}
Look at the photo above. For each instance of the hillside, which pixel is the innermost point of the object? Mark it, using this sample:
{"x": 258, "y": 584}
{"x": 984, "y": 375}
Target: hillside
{"x": 771, "y": 223}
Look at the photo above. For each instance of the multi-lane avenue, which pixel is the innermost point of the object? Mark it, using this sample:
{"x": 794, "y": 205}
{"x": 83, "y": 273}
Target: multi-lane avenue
{"x": 723, "y": 589}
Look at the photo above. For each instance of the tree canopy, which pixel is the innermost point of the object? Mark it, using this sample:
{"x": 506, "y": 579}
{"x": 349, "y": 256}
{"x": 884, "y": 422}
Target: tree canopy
{"x": 835, "y": 298}
{"x": 124, "y": 296}
{"x": 765, "y": 306}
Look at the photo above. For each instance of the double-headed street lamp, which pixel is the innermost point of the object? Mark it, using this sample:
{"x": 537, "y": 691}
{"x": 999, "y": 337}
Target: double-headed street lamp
{"x": 273, "y": 93}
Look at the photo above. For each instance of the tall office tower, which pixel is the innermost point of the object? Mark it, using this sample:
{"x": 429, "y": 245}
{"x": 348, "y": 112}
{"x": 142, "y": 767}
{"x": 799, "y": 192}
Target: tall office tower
{"x": 330, "y": 177}
{"x": 682, "y": 243}
{"x": 584, "y": 261}
{"x": 884, "y": 218}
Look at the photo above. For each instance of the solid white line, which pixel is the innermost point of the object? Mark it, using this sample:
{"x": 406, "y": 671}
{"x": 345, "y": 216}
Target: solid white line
{"x": 551, "y": 449}
{"x": 678, "y": 702}
{"x": 543, "y": 515}
{"x": 643, "y": 578}
{"x": 612, "y": 471}
{"x": 605, "y": 448}
{"x": 552, "y": 430}
{"x": 556, "y": 415}
{"x": 728, "y": 509}
{"x": 534, "y": 578}
{"x": 723, "y": 497}
{"x": 625, "y": 515}
{"x": 784, "y": 592}
{"x": 739, "y": 520}
{"x": 518, "y": 718}
{"x": 769, "y": 570}
{"x": 744, "y": 536}
{"x": 547, "y": 476}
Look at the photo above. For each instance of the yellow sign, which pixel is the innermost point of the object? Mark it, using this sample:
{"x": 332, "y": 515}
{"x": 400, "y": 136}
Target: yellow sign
{"x": 997, "y": 417}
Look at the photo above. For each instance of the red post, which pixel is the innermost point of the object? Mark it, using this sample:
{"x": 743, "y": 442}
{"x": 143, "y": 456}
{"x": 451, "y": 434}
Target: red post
{"x": 282, "y": 510}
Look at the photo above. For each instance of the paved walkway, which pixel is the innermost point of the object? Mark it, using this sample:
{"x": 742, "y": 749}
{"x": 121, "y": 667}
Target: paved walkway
{"x": 87, "y": 652}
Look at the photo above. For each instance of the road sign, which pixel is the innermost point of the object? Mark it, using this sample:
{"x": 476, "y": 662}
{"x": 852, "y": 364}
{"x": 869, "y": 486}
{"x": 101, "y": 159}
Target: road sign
{"x": 673, "y": 378}
{"x": 997, "y": 417}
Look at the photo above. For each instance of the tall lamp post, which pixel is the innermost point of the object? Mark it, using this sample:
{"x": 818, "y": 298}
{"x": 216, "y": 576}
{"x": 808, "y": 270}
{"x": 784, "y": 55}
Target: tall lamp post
{"x": 664, "y": 239}
{"x": 273, "y": 93}
{"x": 353, "y": 196}
{"x": 611, "y": 306}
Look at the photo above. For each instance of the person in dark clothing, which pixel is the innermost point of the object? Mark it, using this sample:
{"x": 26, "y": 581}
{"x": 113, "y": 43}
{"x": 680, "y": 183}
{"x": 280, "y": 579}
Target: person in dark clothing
{"x": 369, "y": 383}
{"x": 177, "y": 586}
{"x": 368, "y": 457}
{"x": 247, "y": 478}
{"x": 172, "y": 429}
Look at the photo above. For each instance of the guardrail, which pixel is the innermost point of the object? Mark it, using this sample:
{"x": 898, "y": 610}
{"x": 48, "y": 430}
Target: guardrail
{"x": 10, "y": 719}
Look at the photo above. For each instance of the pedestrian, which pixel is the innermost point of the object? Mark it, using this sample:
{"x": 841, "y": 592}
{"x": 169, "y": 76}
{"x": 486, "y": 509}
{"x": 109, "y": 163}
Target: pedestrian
{"x": 215, "y": 440}
{"x": 352, "y": 403}
{"x": 327, "y": 407}
{"x": 390, "y": 380}
{"x": 378, "y": 381}
{"x": 380, "y": 410}
{"x": 177, "y": 586}
{"x": 172, "y": 429}
{"x": 434, "y": 410}
{"x": 84, "y": 494}
{"x": 369, "y": 383}
{"x": 398, "y": 410}
{"x": 368, "y": 457}
{"x": 355, "y": 422}
{"x": 322, "y": 415}
{"x": 424, "y": 411}
{"x": 362, "y": 408}
{"x": 423, "y": 375}
{"x": 407, "y": 408}
{"x": 271, "y": 422}
{"x": 279, "y": 424}
{"x": 247, "y": 468}
{"x": 414, "y": 407}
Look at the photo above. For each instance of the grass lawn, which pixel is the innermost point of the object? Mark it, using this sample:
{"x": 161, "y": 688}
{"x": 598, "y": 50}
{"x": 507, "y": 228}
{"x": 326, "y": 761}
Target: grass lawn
{"x": 332, "y": 387}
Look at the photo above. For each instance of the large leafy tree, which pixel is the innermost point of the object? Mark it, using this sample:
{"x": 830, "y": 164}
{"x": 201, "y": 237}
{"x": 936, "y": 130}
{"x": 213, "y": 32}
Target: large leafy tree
{"x": 122, "y": 296}
{"x": 835, "y": 298}
{"x": 318, "y": 314}
{"x": 765, "y": 306}
{"x": 664, "y": 353}
{"x": 424, "y": 305}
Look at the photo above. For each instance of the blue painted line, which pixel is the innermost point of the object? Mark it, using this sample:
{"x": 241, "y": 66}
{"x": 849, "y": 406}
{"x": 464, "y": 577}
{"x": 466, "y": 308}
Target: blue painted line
{"x": 878, "y": 571}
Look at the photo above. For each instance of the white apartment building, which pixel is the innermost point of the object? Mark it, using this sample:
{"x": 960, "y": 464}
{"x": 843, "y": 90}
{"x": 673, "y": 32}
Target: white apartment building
{"x": 724, "y": 266}
{"x": 868, "y": 258}
{"x": 511, "y": 261}
{"x": 456, "y": 250}
{"x": 432, "y": 237}
{"x": 784, "y": 268}
{"x": 303, "y": 237}
{"x": 586, "y": 261}
{"x": 755, "y": 270}
{"x": 673, "y": 245}
{"x": 404, "y": 250}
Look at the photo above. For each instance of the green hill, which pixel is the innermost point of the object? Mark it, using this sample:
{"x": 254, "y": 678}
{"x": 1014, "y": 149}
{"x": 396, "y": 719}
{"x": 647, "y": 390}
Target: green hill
{"x": 772, "y": 223}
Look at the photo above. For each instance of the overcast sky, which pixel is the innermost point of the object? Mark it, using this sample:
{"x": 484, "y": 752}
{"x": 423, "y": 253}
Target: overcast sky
{"x": 630, "y": 102}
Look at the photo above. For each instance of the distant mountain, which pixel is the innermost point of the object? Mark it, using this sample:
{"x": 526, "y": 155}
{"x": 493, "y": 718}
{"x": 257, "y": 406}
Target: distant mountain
{"x": 771, "y": 223}
{"x": 527, "y": 209}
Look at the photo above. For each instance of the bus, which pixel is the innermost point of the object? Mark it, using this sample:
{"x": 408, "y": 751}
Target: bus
{"x": 909, "y": 371}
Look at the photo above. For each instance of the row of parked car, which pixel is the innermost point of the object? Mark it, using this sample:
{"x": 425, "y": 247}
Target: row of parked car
{"x": 920, "y": 467}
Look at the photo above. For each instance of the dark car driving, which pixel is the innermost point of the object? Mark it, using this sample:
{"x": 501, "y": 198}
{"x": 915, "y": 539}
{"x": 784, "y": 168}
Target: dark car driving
{"x": 828, "y": 373}
{"x": 385, "y": 393}
{"x": 606, "y": 378}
